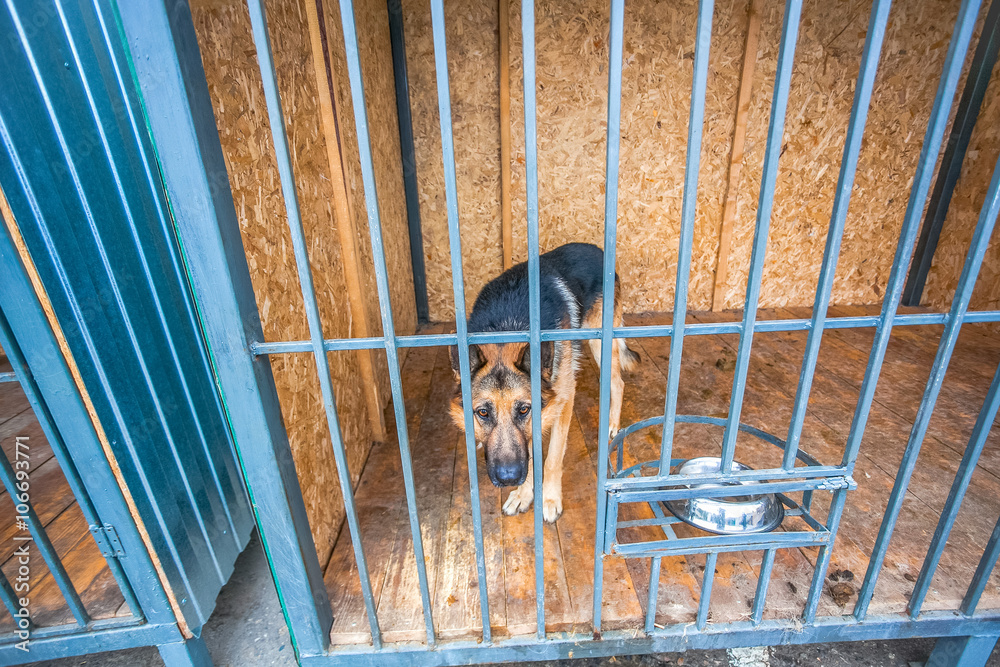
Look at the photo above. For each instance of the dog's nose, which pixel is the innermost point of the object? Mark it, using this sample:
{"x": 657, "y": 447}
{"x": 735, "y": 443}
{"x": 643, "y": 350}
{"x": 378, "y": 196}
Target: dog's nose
{"x": 508, "y": 474}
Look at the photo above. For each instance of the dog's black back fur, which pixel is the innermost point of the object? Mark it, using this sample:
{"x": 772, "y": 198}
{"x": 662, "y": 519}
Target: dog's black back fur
{"x": 502, "y": 305}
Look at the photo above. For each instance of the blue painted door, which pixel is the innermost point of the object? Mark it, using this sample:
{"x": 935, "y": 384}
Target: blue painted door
{"x": 86, "y": 201}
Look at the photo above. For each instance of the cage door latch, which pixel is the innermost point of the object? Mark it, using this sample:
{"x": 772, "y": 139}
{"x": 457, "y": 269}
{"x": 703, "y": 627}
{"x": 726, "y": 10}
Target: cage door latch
{"x": 107, "y": 540}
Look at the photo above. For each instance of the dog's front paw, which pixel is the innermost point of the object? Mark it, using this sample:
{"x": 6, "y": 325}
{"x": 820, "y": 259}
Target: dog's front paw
{"x": 551, "y": 509}
{"x": 519, "y": 500}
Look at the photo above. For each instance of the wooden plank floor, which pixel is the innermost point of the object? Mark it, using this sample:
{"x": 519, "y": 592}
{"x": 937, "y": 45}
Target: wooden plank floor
{"x": 64, "y": 523}
{"x": 441, "y": 472}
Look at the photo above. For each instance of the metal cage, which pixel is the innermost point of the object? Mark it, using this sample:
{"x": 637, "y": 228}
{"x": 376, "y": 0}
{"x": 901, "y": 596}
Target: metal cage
{"x": 179, "y": 114}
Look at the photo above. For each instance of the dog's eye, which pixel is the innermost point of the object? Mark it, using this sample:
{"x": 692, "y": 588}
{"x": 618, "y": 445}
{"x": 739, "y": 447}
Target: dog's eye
{"x": 483, "y": 412}
{"x": 524, "y": 409}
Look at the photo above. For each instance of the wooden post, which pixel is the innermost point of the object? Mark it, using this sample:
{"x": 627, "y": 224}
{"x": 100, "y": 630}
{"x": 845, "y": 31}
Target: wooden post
{"x": 505, "y": 177}
{"x": 343, "y": 211}
{"x": 736, "y": 157}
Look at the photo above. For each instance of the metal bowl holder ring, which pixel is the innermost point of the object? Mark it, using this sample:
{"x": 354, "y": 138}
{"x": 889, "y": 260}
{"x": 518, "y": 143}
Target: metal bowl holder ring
{"x": 700, "y": 495}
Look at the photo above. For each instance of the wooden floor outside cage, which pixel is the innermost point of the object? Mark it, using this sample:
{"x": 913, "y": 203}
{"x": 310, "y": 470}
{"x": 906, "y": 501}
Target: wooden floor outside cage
{"x": 64, "y": 523}
{"x": 440, "y": 470}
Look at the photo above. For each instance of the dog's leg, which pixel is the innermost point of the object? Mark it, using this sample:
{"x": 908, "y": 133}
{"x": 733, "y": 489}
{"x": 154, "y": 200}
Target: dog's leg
{"x": 617, "y": 390}
{"x": 552, "y": 481}
{"x": 617, "y": 384}
{"x": 520, "y": 498}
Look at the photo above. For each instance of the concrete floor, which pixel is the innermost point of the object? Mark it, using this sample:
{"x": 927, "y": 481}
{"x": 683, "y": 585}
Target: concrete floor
{"x": 248, "y": 630}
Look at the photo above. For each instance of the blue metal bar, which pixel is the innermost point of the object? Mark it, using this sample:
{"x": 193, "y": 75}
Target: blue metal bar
{"x": 398, "y": 44}
{"x": 696, "y": 123}
{"x": 8, "y": 376}
{"x": 845, "y": 185}
{"x": 760, "y": 596}
{"x": 649, "y": 331}
{"x": 384, "y": 300}
{"x": 616, "y": 33}
{"x": 976, "y": 83}
{"x": 721, "y": 543}
{"x": 982, "y": 575}
{"x": 458, "y": 289}
{"x": 775, "y": 132}
{"x": 674, "y": 638}
{"x": 788, "y": 486}
{"x": 262, "y": 42}
{"x": 10, "y": 600}
{"x": 53, "y": 643}
{"x": 58, "y": 445}
{"x": 534, "y": 295}
{"x": 918, "y": 194}
{"x": 977, "y": 441}
{"x": 968, "y": 651}
{"x": 963, "y": 294}
{"x": 652, "y": 597}
{"x": 657, "y": 482}
{"x": 706, "y": 590}
{"x": 823, "y": 559}
{"x": 20, "y": 497}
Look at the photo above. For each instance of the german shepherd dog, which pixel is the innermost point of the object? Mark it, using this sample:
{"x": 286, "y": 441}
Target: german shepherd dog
{"x": 571, "y": 295}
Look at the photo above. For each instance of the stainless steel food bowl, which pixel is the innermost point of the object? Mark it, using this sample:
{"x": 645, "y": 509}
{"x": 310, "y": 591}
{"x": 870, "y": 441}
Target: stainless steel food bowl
{"x": 730, "y": 515}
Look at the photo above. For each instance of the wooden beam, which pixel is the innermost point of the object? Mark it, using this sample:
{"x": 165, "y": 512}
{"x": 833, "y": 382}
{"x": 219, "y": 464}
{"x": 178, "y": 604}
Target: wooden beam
{"x": 505, "y": 177}
{"x": 736, "y": 157}
{"x": 343, "y": 210}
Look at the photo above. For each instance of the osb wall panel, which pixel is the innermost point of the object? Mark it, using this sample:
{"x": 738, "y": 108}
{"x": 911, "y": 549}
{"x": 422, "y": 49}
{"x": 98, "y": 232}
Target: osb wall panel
{"x": 658, "y": 61}
{"x": 658, "y": 66}
{"x": 372, "y": 20}
{"x": 828, "y": 54}
{"x": 473, "y": 44}
{"x": 229, "y": 57}
{"x": 572, "y": 52}
{"x": 966, "y": 203}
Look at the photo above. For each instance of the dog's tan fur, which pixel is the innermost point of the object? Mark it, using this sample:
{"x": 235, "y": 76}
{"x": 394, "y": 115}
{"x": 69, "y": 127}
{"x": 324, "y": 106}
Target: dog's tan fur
{"x": 558, "y": 393}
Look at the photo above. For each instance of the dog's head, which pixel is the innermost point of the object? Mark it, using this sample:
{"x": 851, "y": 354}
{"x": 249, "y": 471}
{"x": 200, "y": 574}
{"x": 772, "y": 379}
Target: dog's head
{"x": 501, "y": 404}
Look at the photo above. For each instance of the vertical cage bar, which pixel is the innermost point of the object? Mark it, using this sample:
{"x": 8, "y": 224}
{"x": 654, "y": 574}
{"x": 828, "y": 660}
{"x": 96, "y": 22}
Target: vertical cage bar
{"x": 458, "y": 288}
{"x": 41, "y": 539}
{"x": 823, "y": 559}
{"x": 845, "y": 185}
{"x": 982, "y": 575}
{"x": 283, "y": 158}
{"x": 9, "y": 598}
{"x": 410, "y": 187}
{"x": 696, "y": 123}
{"x": 616, "y": 33}
{"x": 69, "y": 470}
{"x": 760, "y": 596}
{"x": 534, "y": 296}
{"x": 385, "y": 300}
{"x": 977, "y": 441}
{"x": 960, "y": 303}
{"x": 653, "y": 597}
{"x": 936, "y": 126}
{"x": 976, "y": 82}
{"x": 775, "y": 132}
{"x": 706, "y": 590}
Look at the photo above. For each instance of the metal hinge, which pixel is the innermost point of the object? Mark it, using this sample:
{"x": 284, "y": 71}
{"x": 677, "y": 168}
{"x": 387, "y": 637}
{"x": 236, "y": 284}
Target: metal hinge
{"x": 107, "y": 540}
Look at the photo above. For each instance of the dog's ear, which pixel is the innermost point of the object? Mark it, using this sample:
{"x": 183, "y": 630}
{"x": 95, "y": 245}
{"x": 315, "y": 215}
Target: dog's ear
{"x": 548, "y": 356}
{"x": 476, "y": 360}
